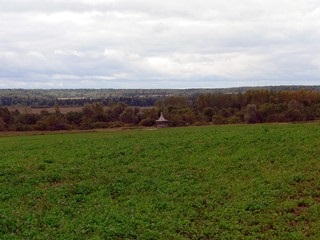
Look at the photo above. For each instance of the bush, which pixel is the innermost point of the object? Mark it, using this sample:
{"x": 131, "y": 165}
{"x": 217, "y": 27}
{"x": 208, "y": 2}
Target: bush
{"x": 148, "y": 122}
{"x": 22, "y": 127}
{"x": 41, "y": 125}
{"x": 200, "y": 123}
{"x": 116, "y": 124}
{"x": 234, "y": 119}
{"x": 2, "y": 124}
{"x": 218, "y": 119}
{"x": 100, "y": 125}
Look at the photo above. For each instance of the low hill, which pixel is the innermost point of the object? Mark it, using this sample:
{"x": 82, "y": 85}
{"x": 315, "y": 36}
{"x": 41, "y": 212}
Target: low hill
{"x": 133, "y": 97}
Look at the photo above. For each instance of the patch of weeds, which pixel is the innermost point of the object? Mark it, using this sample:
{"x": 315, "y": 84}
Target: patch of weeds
{"x": 265, "y": 129}
{"x": 131, "y": 169}
{"x": 5, "y": 196}
{"x": 161, "y": 206}
{"x": 49, "y": 161}
{"x": 82, "y": 189}
{"x": 149, "y": 185}
{"x": 9, "y": 226}
{"x": 289, "y": 206}
{"x": 299, "y": 177}
{"x": 53, "y": 178}
{"x": 52, "y": 221}
{"x": 256, "y": 206}
{"x": 42, "y": 167}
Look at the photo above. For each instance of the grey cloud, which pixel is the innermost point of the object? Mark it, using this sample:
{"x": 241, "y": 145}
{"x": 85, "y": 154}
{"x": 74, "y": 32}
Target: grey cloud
{"x": 152, "y": 43}
{"x": 49, "y": 6}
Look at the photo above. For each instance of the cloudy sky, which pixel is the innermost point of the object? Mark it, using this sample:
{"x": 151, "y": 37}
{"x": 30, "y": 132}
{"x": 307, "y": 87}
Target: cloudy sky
{"x": 158, "y": 44}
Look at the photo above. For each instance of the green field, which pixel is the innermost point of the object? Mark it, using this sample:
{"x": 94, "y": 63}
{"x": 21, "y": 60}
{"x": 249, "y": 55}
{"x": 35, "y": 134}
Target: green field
{"x": 219, "y": 182}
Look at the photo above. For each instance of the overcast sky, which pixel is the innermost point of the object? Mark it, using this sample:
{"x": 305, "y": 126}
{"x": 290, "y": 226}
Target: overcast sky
{"x": 158, "y": 44}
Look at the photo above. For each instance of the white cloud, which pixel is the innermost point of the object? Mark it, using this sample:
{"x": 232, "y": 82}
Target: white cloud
{"x": 140, "y": 43}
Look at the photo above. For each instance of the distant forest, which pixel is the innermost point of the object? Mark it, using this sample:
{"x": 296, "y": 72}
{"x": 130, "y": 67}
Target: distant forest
{"x": 132, "y": 97}
{"x": 108, "y": 108}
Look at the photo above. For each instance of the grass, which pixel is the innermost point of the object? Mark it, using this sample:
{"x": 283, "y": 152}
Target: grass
{"x": 221, "y": 182}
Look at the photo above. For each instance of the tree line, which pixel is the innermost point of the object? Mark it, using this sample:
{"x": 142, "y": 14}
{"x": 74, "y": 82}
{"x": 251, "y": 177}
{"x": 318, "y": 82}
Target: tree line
{"x": 132, "y": 97}
{"x": 253, "y": 106}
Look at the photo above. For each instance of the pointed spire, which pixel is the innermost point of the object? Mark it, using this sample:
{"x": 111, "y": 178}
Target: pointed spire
{"x": 162, "y": 119}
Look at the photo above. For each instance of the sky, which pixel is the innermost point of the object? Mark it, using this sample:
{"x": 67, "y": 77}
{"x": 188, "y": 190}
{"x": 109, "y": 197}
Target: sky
{"x": 159, "y": 44}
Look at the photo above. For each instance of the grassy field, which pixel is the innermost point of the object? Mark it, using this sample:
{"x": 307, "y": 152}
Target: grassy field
{"x": 220, "y": 182}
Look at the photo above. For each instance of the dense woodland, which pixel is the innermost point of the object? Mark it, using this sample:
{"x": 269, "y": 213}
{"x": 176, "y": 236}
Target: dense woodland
{"x": 251, "y": 106}
{"x": 131, "y": 97}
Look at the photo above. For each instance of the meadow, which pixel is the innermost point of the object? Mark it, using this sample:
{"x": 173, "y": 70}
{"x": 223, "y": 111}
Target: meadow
{"x": 217, "y": 182}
